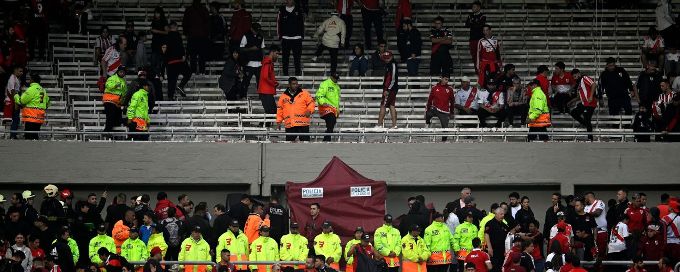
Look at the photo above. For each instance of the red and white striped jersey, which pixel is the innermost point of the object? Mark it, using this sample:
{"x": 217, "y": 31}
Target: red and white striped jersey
{"x": 672, "y": 221}
{"x": 650, "y": 43}
{"x": 112, "y": 59}
{"x": 584, "y": 91}
{"x": 660, "y": 104}
{"x": 344, "y": 7}
{"x": 487, "y": 48}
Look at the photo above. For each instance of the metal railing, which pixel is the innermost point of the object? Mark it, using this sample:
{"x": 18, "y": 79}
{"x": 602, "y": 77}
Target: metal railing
{"x": 217, "y": 264}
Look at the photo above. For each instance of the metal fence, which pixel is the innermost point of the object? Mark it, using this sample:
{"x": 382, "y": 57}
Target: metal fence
{"x": 217, "y": 265}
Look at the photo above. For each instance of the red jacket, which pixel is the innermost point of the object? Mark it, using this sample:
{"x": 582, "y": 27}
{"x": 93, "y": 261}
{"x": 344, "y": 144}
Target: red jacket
{"x": 652, "y": 248}
{"x": 564, "y": 242}
{"x": 240, "y": 24}
{"x": 162, "y": 207}
{"x": 441, "y": 98}
{"x": 403, "y": 10}
{"x": 267, "y": 84}
{"x": 637, "y": 218}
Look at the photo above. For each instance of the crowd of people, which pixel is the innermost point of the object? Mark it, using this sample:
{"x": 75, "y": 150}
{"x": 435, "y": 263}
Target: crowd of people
{"x": 67, "y": 233}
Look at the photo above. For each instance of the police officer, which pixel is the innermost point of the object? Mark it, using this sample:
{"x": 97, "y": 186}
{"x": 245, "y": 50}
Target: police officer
{"x": 358, "y": 233}
{"x": 264, "y": 248}
{"x": 294, "y": 247}
{"x": 236, "y": 242}
{"x": 100, "y": 241}
{"x": 415, "y": 252}
{"x": 328, "y": 244}
{"x": 194, "y": 248}
{"x": 388, "y": 243}
{"x": 134, "y": 249}
{"x": 463, "y": 236}
{"x": 439, "y": 241}
{"x": 115, "y": 90}
{"x": 495, "y": 232}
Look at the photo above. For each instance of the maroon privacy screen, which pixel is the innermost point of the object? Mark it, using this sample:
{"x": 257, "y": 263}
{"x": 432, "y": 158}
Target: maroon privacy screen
{"x": 347, "y": 199}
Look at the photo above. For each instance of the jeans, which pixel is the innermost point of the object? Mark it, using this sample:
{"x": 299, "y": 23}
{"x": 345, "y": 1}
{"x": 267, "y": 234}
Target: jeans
{"x": 583, "y": 115}
{"x": 372, "y": 17}
{"x": 358, "y": 65}
{"x": 248, "y": 73}
{"x": 334, "y": 55}
{"x": 296, "y": 47}
{"x": 199, "y": 52}
{"x": 16, "y": 120}
{"x": 304, "y": 129}
{"x": 268, "y": 103}
{"x": 521, "y": 110}
{"x": 560, "y": 102}
{"x": 331, "y": 120}
{"x": 616, "y": 103}
{"x": 174, "y": 70}
{"x": 440, "y": 63}
{"x": 412, "y": 66}
{"x": 113, "y": 116}
{"x": 29, "y": 126}
{"x": 482, "y": 114}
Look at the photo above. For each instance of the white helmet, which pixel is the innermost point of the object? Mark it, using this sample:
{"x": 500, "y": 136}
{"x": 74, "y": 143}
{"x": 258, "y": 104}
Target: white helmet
{"x": 51, "y": 190}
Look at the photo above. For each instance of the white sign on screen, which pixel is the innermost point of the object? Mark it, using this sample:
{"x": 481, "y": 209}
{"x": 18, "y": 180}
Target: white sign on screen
{"x": 312, "y": 192}
{"x": 360, "y": 191}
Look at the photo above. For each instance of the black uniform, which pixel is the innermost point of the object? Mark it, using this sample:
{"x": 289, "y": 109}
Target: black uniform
{"x": 440, "y": 62}
{"x": 278, "y": 216}
{"x": 616, "y": 85}
{"x": 497, "y": 231}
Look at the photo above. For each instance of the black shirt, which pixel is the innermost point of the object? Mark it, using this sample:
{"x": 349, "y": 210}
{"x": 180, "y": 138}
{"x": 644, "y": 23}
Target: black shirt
{"x": 527, "y": 262}
{"x": 649, "y": 87}
{"x": 585, "y": 222}
{"x": 278, "y": 216}
{"x": 523, "y": 218}
{"x": 476, "y": 22}
{"x": 158, "y": 39}
{"x": 240, "y": 212}
{"x": 615, "y": 83}
{"x": 497, "y": 231}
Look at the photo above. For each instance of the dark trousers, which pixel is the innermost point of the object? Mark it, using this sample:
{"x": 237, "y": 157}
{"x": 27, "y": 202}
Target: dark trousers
{"x": 443, "y": 120}
{"x": 157, "y": 63}
{"x": 16, "y": 120}
{"x": 132, "y": 127}
{"x": 113, "y": 116}
{"x": 412, "y": 66}
{"x": 393, "y": 269}
{"x": 349, "y": 22}
{"x": 199, "y": 52}
{"x": 440, "y": 63}
{"x": 174, "y": 70}
{"x": 438, "y": 268}
{"x": 334, "y": 55}
{"x": 542, "y": 137}
{"x": 331, "y": 120}
{"x": 617, "y": 256}
{"x": 37, "y": 37}
{"x": 521, "y": 111}
{"x": 497, "y": 261}
{"x": 248, "y": 73}
{"x": 616, "y": 103}
{"x": 560, "y": 102}
{"x": 304, "y": 5}
{"x": 583, "y": 115}
{"x": 233, "y": 45}
{"x": 482, "y": 114}
{"x": 172, "y": 253}
{"x": 372, "y": 17}
{"x": 304, "y": 129}
{"x": 296, "y": 47}
{"x": 268, "y": 103}
{"x": 29, "y": 126}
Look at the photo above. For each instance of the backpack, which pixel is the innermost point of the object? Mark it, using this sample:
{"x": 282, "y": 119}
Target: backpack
{"x": 173, "y": 232}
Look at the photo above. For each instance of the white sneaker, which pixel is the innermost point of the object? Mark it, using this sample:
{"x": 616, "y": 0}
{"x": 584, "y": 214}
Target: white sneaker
{"x": 378, "y": 126}
{"x": 314, "y": 58}
{"x": 395, "y": 127}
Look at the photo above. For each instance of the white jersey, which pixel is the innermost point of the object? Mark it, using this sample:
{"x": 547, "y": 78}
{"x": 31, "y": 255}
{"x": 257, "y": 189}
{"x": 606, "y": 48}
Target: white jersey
{"x": 514, "y": 210}
{"x": 617, "y": 242}
{"x": 602, "y": 219}
{"x": 672, "y": 221}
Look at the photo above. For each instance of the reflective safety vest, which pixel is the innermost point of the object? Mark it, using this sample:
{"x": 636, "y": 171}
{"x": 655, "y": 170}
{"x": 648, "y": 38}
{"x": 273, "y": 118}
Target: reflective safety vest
{"x": 294, "y": 248}
{"x": 414, "y": 253}
{"x": 295, "y": 110}
{"x": 192, "y": 250}
{"x": 328, "y": 98}
{"x": 138, "y": 110}
{"x": 134, "y": 250}
{"x": 329, "y": 246}
{"x": 157, "y": 240}
{"x": 439, "y": 241}
{"x": 237, "y": 245}
{"x": 34, "y": 101}
{"x": 98, "y": 242}
{"x": 264, "y": 249}
{"x": 387, "y": 239}
{"x": 539, "y": 113}
{"x": 115, "y": 90}
{"x": 463, "y": 239}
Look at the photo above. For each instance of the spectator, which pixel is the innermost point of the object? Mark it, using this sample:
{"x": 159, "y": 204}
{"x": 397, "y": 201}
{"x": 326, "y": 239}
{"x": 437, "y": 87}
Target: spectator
{"x": 164, "y": 205}
{"x": 195, "y": 248}
{"x": 225, "y": 264}
{"x": 295, "y": 112}
{"x": 266, "y": 88}
{"x": 14, "y": 87}
{"x": 334, "y": 31}
{"x": 672, "y": 224}
{"x": 619, "y": 240}
{"x": 506, "y": 77}
{"x": 562, "y": 237}
{"x": 637, "y": 221}
{"x": 539, "y": 113}
{"x": 173, "y": 230}
{"x": 358, "y": 62}
{"x": 196, "y": 25}
{"x": 475, "y": 21}
{"x": 372, "y": 14}
{"x": 440, "y": 103}
{"x": 278, "y": 216}
{"x": 115, "y": 211}
{"x": 514, "y": 261}
{"x": 222, "y": 220}
{"x": 114, "y": 57}
{"x": 175, "y": 62}
{"x": 642, "y": 123}
{"x": 138, "y": 112}
{"x": 140, "y": 51}
{"x": 256, "y": 219}
{"x": 555, "y": 258}
{"x": 18, "y": 53}
{"x": 14, "y": 262}
{"x": 664, "y": 207}
{"x": 586, "y": 101}
{"x": 526, "y": 260}
{"x": 491, "y": 103}
{"x": 619, "y": 208}
{"x": 515, "y": 203}
{"x": 665, "y": 23}
{"x": 290, "y": 28}
{"x": 328, "y": 244}
{"x": 495, "y": 232}
{"x": 488, "y": 60}
{"x": 241, "y": 22}
{"x": 410, "y": 45}
{"x": 241, "y": 211}
{"x": 131, "y": 37}
{"x": 662, "y": 103}
{"x": 159, "y": 32}
{"x": 199, "y": 221}
{"x": 652, "y": 48}
{"x": 584, "y": 227}
{"x": 671, "y": 118}
{"x": 525, "y": 215}
{"x": 320, "y": 264}
{"x": 37, "y": 253}
{"x": 145, "y": 228}
{"x": 112, "y": 261}
{"x": 232, "y": 77}
{"x": 376, "y": 63}
{"x": 648, "y": 86}
{"x": 576, "y": 262}
{"x": 344, "y": 8}
{"x": 637, "y": 266}
{"x": 542, "y": 77}
{"x": 617, "y": 85}
{"x": 562, "y": 84}
{"x": 517, "y": 102}
{"x": 403, "y": 13}
{"x": 252, "y": 46}
{"x": 33, "y": 102}
{"x": 390, "y": 89}
{"x": 652, "y": 243}
{"x": 665, "y": 265}
{"x": 218, "y": 31}
{"x": 37, "y": 31}
{"x": 596, "y": 209}
{"x": 328, "y": 99}
{"x": 477, "y": 258}
{"x": 467, "y": 98}
{"x": 20, "y": 246}
{"x": 442, "y": 40}
{"x": 460, "y": 203}
{"x": 672, "y": 63}
{"x": 62, "y": 251}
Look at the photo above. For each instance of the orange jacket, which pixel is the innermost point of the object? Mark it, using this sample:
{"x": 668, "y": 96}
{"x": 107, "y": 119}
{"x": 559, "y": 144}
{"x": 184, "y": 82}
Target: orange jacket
{"x": 267, "y": 84}
{"x": 120, "y": 233}
{"x": 295, "y": 110}
{"x": 253, "y": 224}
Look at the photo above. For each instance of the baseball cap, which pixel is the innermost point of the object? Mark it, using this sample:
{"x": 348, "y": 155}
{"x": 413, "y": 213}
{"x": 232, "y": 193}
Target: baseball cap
{"x": 336, "y": 75}
{"x": 294, "y": 225}
{"x": 326, "y": 224}
{"x": 234, "y": 223}
{"x": 415, "y": 227}
{"x": 386, "y": 55}
{"x": 491, "y": 80}
{"x": 361, "y": 229}
{"x": 653, "y": 227}
{"x": 133, "y": 229}
{"x": 2, "y": 198}
{"x": 465, "y": 79}
{"x": 141, "y": 73}
{"x": 264, "y": 228}
{"x": 101, "y": 227}
{"x": 156, "y": 250}
{"x": 196, "y": 229}
{"x": 560, "y": 214}
{"x": 535, "y": 81}
{"x": 121, "y": 68}
{"x": 365, "y": 237}
{"x": 27, "y": 194}
{"x": 388, "y": 217}
{"x": 437, "y": 215}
